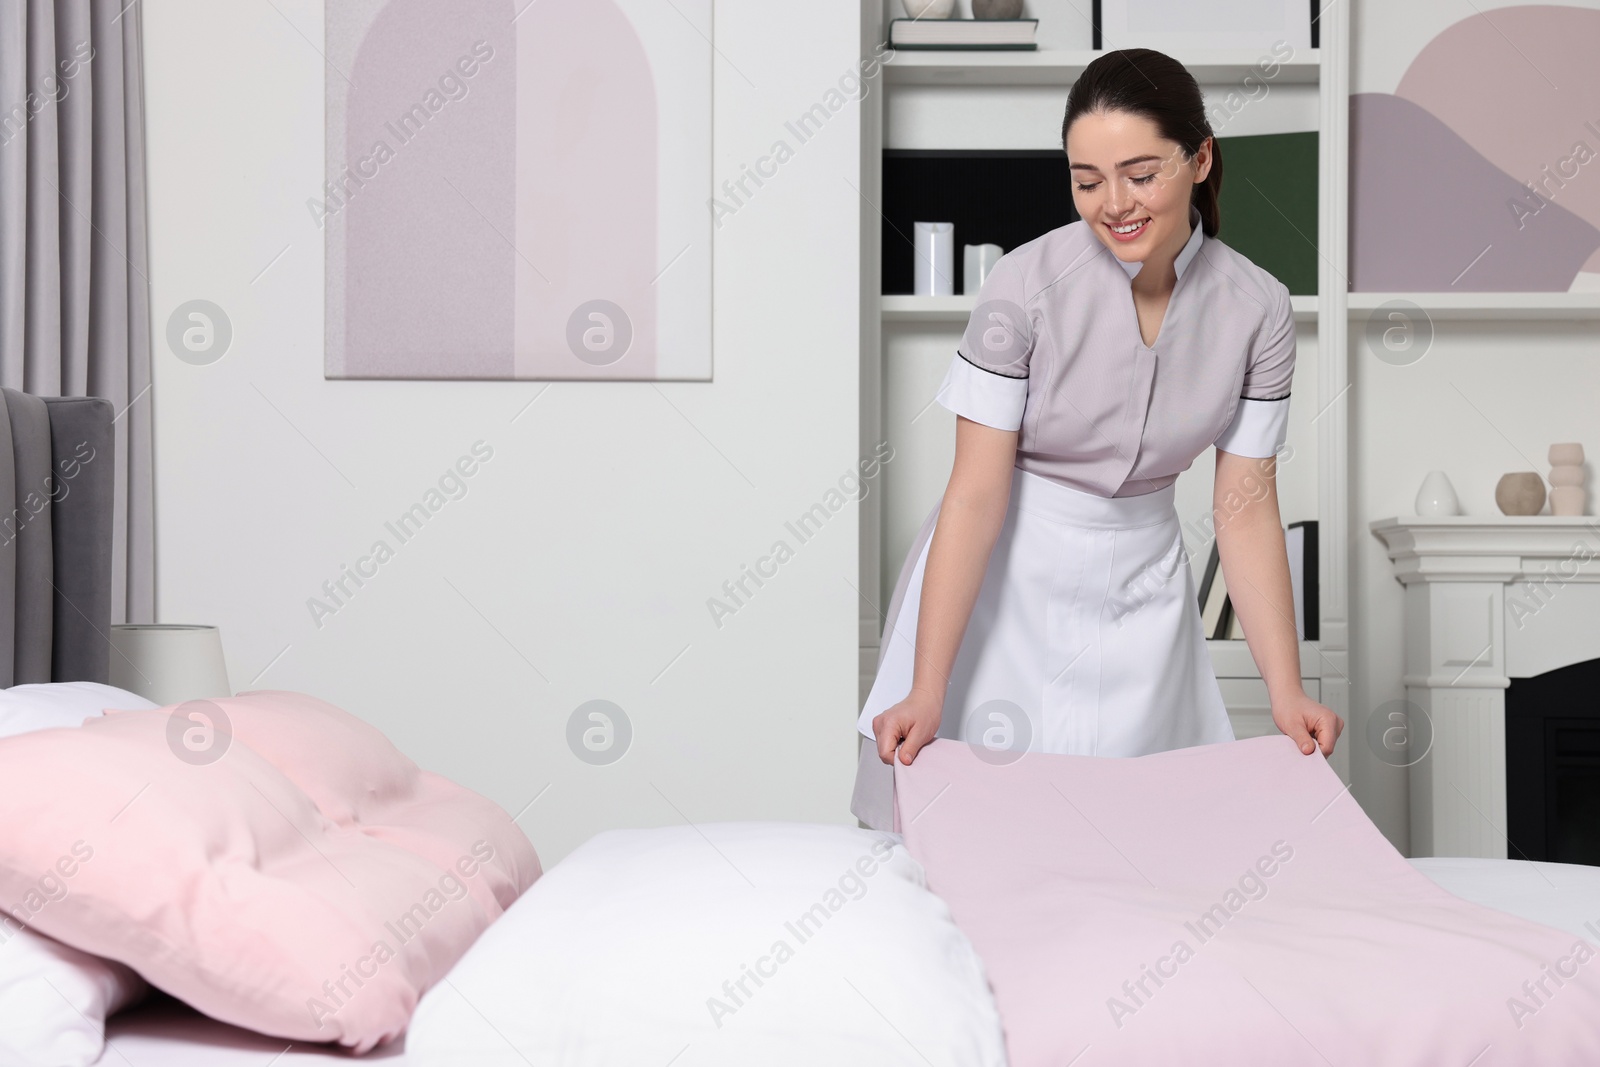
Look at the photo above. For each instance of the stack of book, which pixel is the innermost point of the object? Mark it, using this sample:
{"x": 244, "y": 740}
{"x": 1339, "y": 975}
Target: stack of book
{"x": 1015, "y": 34}
{"x": 1217, "y": 616}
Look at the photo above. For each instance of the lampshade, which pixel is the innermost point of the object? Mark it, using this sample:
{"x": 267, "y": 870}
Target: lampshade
{"x": 169, "y": 663}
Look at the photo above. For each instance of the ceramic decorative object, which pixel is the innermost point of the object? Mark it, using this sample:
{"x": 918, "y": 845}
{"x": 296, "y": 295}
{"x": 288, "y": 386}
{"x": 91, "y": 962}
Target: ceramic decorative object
{"x": 934, "y": 273}
{"x": 1566, "y": 479}
{"x": 1437, "y": 496}
{"x": 976, "y": 263}
{"x": 1520, "y": 493}
{"x": 996, "y": 9}
{"x": 928, "y": 9}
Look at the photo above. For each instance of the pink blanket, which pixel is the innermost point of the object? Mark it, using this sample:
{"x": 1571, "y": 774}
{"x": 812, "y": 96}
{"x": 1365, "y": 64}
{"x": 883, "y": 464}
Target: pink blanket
{"x": 1227, "y": 904}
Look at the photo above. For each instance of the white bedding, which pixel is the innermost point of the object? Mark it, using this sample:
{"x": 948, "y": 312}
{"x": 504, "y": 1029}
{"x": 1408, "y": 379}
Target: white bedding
{"x": 1563, "y": 895}
{"x": 165, "y": 1034}
{"x": 719, "y": 945}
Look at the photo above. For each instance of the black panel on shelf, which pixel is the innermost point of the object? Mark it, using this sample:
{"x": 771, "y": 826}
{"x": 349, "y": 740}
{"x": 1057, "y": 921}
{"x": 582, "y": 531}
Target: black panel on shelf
{"x": 1002, "y": 196}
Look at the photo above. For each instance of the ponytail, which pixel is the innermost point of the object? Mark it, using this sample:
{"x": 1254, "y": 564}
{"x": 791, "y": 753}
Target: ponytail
{"x": 1208, "y": 194}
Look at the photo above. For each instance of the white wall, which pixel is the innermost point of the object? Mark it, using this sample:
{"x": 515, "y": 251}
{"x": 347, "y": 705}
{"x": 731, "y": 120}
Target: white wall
{"x": 579, "y": 562}
{"x": 1487, "y": 398}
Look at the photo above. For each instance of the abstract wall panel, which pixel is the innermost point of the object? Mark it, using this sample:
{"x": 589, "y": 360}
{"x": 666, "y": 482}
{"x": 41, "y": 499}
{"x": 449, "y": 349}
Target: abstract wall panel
{"x": 1479, "y": 173}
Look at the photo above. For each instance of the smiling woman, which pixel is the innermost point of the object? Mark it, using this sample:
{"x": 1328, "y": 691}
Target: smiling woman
{"x": 1101, "y": 358}
{"x": 1129, "y": 139}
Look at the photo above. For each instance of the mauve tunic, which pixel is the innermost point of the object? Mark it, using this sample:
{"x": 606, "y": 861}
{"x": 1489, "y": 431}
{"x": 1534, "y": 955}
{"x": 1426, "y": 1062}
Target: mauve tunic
{"x": 1053, "y": 349}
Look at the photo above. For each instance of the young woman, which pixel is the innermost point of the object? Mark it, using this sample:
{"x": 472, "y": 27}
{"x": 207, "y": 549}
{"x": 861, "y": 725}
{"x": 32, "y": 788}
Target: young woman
{"x": 1047, "y": 603}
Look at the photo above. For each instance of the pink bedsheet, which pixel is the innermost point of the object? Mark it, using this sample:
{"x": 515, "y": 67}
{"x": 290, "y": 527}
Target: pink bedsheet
{"x": 1227, "y": 904}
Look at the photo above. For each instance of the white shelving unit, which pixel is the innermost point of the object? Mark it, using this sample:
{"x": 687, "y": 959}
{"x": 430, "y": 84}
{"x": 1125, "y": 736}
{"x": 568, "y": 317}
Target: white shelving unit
{"x": 994, "y": 80}
{"x": 959, "y": 308}
{"x": 1062, "y": 67}
{"x": 1489, "y": 307}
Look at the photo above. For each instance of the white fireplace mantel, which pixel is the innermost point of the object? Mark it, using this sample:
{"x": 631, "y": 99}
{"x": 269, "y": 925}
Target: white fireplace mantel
{"x": 1486, "y": 600}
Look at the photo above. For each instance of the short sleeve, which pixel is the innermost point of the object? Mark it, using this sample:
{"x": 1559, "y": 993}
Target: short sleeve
{"x": 988, "y": 378}
{"x": 1261, "y": 420}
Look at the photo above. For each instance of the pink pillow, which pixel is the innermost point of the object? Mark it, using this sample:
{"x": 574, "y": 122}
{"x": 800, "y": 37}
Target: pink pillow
{"x": 299, "y": 877}
{"x": 357, "y": 778}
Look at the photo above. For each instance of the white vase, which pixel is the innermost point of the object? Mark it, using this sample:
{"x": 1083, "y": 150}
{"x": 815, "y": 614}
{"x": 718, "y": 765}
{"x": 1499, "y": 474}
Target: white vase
{"x": 1437, "y": 496}
{"x": 928, "y": 9}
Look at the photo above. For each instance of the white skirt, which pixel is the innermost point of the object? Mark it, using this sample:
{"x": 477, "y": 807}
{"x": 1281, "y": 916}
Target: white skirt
{"x": 1085, "y": 638}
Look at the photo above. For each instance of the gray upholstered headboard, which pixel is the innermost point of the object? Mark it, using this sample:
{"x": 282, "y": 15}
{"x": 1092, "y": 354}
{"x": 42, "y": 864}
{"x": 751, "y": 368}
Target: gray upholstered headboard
{"x": 57, "y": 486}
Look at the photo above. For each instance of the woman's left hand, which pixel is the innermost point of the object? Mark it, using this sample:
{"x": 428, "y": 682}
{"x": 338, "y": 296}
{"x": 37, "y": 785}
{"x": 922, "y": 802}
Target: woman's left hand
{"x": 1309, "y": 723}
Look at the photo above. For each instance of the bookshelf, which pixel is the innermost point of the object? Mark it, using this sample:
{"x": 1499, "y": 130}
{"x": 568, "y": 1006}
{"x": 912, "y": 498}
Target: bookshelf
{"x": 899, "y": 308}
{"x": 1489, "y": 307}
{"x": 1006, "y": 100}
{"x": 1061, "y": 66}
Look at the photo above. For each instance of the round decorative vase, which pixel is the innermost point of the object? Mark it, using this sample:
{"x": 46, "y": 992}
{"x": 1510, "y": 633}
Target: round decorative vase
{"x": 1437, "y": 496}
{"x": 996, "y": 9}
{"x": 1520, "y": 493}
{"x": 928, "y": 9}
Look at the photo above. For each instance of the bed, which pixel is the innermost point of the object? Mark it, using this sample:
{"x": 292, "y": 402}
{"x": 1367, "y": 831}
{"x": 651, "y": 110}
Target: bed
{"x": 657, "y": 945}
{"x": 172, "y": 1035}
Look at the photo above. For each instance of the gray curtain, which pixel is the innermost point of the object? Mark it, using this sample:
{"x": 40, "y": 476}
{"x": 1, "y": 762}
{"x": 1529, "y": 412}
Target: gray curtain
{"x": 74, "y": 286}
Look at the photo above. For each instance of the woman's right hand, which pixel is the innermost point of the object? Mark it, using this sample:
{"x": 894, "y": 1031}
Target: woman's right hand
{"x": 909, "y": 724}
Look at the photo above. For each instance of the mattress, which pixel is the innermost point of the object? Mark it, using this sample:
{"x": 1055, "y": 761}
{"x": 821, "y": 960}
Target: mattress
{"x": 1565, "y": 896}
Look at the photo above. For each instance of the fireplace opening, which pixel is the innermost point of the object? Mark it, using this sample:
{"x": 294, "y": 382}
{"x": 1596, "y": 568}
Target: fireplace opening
{"x": 1553, "y": 765}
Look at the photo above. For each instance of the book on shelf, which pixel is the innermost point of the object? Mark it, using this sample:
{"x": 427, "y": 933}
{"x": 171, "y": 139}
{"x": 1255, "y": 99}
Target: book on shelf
{"x": 1005, "y": 34}
{"x": 1213, "y": 596}
{"x": 1300, "y": 542}
{"x": 1300, "y": 539}
{"x": 1150, "y": 13}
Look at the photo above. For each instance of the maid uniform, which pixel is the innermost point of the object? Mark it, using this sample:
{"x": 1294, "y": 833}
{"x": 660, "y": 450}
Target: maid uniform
{"x": 1086, "y": 636}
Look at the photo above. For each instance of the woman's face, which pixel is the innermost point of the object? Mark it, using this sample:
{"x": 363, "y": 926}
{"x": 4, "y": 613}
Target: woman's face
{"x": 1131, "y": 185}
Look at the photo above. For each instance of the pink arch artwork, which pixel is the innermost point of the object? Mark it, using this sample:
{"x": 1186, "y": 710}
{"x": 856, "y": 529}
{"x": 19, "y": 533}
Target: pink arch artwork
{"x": 493, "y": 202}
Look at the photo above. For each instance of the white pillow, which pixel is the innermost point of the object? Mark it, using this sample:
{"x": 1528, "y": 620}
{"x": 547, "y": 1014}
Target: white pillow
{"x": 775, "y": 944}
{"x": 54, "y": 1000}
{"x": 44, "y": 705}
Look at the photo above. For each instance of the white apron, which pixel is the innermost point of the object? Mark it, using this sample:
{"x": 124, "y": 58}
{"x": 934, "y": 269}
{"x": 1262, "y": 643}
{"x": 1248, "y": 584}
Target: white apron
{"x": 1085, "y": 638}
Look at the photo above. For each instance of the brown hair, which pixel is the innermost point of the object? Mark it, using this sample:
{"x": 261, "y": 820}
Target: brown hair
{"x": 1150, "y": 83}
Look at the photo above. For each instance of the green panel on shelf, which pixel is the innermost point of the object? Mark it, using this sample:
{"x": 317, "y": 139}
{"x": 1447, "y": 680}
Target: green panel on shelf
{"x": 1269, "y": 204}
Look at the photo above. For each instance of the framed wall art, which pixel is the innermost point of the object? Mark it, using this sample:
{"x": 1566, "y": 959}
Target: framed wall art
{"x": 517, "y": 190}
{"x": 1177, "y": 26}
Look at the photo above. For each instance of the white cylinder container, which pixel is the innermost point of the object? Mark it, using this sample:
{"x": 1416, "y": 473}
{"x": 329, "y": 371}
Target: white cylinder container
{"x": 976, "y": 262}
{"x": 935, "y": 245}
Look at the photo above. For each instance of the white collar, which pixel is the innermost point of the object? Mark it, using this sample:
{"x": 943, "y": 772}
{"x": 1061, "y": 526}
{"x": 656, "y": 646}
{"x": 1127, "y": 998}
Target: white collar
{"x": 1185, "y": 254}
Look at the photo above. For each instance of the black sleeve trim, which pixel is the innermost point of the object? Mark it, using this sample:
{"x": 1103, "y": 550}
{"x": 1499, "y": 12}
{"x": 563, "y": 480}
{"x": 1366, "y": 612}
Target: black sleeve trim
{"x": 1285, "y": 396}
{"x": 980, "y": 366}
